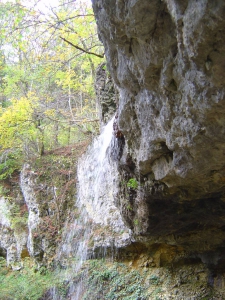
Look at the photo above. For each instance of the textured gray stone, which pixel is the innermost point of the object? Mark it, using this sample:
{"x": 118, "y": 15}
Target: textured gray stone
{"x": 28, "y": 186}
{"x": 167, "y": 59}
{"x": 38, "y": 198}
{"x": 13, "y": 240}
{"x": 107, "y": 95}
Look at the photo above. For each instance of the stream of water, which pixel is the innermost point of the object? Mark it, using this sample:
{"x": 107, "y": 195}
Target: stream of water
{"x": 97, "y": 189}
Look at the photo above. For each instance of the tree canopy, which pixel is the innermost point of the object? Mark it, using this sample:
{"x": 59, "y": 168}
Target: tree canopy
{"x": 48, "y": 57}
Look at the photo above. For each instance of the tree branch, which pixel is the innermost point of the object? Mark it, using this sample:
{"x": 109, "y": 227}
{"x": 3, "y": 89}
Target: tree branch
{"x": 81, "y": 49}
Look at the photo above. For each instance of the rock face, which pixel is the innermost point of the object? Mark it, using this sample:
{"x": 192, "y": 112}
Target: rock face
{"x": 13, "y": 236}
{"x": 167, "y": 59}
{"x": 48, "y": 189}
{"x": 107, "y": 96}
{"x": 29, "y": 188}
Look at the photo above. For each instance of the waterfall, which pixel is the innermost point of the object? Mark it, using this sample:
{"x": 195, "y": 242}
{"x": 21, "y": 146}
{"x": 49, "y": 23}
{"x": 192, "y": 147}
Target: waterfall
{"x": 95, "y": 206}
{"x": 98, "y": 181}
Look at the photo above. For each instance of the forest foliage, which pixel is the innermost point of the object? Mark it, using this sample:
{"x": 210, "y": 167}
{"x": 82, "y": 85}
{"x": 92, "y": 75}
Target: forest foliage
{"x": 48, "y": 57}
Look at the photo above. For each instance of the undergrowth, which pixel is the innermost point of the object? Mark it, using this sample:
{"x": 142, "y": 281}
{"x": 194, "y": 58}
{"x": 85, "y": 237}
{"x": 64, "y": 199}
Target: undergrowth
{"x": 114, "y": 281}
{"x": 26, "y": 284}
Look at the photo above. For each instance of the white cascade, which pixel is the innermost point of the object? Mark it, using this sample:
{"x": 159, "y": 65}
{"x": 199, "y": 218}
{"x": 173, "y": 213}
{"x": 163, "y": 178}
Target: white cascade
{"x": 97, "y": 191}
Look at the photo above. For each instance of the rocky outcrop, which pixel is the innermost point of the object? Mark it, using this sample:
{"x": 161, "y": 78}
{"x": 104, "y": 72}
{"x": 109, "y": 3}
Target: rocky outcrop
{"x": 36, "y": 204}
{"x": 30, "y": 188}
{"x": 13, "y": 235}
{"x": 48, "y": 187}
{"x": 107, "y": 95}
{"x": 167, "y": 59}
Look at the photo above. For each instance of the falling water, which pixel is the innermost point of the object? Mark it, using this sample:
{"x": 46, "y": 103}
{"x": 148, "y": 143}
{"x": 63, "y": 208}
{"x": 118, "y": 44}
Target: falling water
{"x": 98, "y": 181}
{"x": 97, "y": 190}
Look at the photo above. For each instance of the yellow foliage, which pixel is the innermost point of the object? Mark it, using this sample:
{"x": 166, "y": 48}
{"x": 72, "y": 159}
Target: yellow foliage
{"x": 50, "y": 112}
{"x": 16, "y": 120}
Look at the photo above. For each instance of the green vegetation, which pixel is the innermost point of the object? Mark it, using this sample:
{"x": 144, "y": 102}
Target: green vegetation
{"x": 154, "y": 279}
{"x": 26, "y": 284}
{"x": 114, "y": 281}
{"x": 10, "y": 162}
{"x": 136, "y": 222}
{"x": 47, "y": 68}
{"x": 132, "y": 183}
{"x": 101, "y": 280}
{"x": 18, "y": 216}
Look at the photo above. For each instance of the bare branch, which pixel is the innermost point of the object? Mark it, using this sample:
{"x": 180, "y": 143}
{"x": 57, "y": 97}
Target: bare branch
{"x": 81, "y": 49}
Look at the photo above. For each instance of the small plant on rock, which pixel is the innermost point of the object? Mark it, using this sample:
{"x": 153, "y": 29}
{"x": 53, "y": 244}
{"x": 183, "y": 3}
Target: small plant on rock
{"x": 132, "y": 183}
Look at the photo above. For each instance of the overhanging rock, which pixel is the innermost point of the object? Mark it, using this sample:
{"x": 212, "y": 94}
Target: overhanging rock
{"x": 167, "y": 59}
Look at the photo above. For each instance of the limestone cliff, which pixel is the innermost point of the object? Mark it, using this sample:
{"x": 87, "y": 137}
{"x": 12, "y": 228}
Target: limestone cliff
{"x": 34, "y": 205}
{"x": 13, "y": 235}
{"x": 167, "y": 58}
